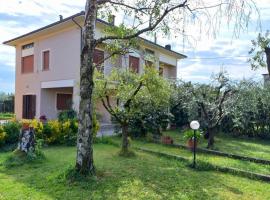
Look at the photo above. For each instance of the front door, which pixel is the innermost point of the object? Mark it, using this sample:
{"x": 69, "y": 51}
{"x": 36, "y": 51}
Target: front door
{"x": 29, "y": 106}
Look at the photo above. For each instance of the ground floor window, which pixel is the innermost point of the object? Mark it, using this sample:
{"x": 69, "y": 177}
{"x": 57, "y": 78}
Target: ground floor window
{"x": 63, "y": 101}
{"x": 29, "y": 106}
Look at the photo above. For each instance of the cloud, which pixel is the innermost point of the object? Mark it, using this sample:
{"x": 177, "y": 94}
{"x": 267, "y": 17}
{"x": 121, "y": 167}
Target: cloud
{"x": 206, "y": 54}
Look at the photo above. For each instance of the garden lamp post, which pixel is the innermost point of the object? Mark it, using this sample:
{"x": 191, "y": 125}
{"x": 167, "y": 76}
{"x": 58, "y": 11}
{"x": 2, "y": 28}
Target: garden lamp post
{"x": 194, "y": 125}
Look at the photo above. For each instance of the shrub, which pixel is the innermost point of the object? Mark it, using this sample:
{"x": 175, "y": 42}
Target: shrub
{"x": 55, "y": 136}
{"x": 12, "y": 130}
{"x": 67, "y": 115}
{"x": 2, "y": 136}
{"x": 149, "y": 137}
{"x": 189, "y": 134}
{"x": 69, "y": 130}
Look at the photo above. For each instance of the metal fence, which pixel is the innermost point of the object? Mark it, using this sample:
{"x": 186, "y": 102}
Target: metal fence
{"x": 7, "y": 106}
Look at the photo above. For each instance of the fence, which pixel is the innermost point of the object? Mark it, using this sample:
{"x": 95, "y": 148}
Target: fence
{"x": 7, "y": 106}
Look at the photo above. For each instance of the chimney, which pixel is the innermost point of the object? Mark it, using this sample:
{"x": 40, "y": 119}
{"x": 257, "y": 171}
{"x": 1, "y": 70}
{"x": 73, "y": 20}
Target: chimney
{"x": 155, "y": 36}
{"x": 168, "y": 46}
{"x": 111, "y": 19}
{"x": 60, "y": 17}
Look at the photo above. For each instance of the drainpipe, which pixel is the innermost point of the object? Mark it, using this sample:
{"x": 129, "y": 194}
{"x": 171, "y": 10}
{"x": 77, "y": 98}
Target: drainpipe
{"x": 81, "y": 29}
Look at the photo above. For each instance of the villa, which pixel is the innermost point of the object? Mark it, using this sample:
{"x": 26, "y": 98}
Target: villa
{"x": 48, "y": 66}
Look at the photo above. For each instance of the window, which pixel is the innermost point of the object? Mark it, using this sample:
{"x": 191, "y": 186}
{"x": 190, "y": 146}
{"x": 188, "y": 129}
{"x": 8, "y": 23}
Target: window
{"x": 149, "y": 63}
{"x": 46, "y": 60}
{"x": 161, "y": 71}
{"x": 29, "y": 106}
{"x": 149, "y": 51}
{"x": 134, "y": 64}
{"x": 27, "y": 64}
{"x": 64, "y": 101}
{"x": 28, "y": 46}
{"x": 99, "y": 59}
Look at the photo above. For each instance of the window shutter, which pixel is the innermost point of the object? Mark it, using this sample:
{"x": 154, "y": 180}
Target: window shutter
{"x": 29, "y": 106}
{"x": 99, "y": 59}
{"x": 64, "y": 101}
{"x": 27, "y": 64}
{"x": 161, "y": 71}
{"x": 46, "y": 60}
{"x": 134, "y": 63}
{"x": 149, "y": 63}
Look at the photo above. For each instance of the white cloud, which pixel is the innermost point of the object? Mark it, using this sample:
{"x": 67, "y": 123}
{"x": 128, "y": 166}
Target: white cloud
{"x": 197, "y": 70}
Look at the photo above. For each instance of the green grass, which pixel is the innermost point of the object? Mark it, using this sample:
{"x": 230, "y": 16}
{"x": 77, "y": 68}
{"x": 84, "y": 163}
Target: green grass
{"x": 142, "y": 177}
{"x": 6, "y": 116}
{"x": 252, "y": 147}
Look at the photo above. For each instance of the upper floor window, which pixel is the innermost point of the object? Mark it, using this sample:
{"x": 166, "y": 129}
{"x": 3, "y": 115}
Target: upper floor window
{"x": 28, "y": 46}
{"x": 27, "y": 64}
{"x": 45, "y": 60}
{"x": 149, "y": 63}
{"x": 161, "y": 71}
{"x": 134, "y": 64}
{"x": 99, "y": 60}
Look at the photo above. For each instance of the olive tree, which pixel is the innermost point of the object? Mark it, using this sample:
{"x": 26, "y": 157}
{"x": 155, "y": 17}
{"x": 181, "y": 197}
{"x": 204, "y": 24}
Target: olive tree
{"x": 144, "y": 16}
{"x": 209, "y": 103}
{"x": 260, "y": 52}
{"x": 125, "y": 94}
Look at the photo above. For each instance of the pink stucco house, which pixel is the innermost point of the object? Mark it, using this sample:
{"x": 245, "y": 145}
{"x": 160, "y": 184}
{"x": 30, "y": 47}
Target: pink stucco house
{"x": 48, "y": 67}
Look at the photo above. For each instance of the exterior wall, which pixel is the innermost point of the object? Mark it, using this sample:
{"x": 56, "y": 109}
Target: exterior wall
{"x": 64, "y": 64}
{"x": 64, "y": 47}
{"x": 48, "y": 101}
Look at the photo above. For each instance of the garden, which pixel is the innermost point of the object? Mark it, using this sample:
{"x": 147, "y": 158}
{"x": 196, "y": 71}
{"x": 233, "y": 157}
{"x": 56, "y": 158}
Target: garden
{"x": 151, "y": 155}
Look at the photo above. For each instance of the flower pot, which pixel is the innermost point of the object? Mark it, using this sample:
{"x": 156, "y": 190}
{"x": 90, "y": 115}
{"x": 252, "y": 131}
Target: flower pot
{"x": 167, "y": 140}
{"x": 190, "y": 144}
{"x": 25, "y": 126}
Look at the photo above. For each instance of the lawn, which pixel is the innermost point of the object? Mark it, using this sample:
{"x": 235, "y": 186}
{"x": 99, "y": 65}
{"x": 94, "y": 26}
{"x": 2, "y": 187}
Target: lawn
{"x": 252, "y": 147}
{"x": 6, "y": 116}
{"x": 142, "y": 177}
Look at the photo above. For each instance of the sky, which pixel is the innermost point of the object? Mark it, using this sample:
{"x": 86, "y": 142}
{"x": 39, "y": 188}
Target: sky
{"x": 206, "y": 55}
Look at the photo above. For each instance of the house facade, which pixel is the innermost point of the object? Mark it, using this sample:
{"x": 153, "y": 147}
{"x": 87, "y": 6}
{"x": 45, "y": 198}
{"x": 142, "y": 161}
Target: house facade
{"x": 48, "y": 67}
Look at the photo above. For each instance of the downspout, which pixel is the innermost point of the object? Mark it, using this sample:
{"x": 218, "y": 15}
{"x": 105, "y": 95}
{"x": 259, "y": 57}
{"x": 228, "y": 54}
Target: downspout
{"x": 81, "y": 29}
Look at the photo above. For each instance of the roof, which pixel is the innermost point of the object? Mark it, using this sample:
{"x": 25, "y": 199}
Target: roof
{"x": 9, "y": 42}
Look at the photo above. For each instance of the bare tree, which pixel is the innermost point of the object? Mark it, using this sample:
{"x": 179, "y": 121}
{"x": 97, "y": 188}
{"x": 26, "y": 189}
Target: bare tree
{"x": 145, "y": 16}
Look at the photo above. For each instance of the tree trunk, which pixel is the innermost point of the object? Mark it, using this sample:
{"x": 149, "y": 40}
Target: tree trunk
{"x": 125, "y": 138}
{"x": 84, "y": 160}
{"x": 210, "y": 138}
{"x": 267, "y": 52}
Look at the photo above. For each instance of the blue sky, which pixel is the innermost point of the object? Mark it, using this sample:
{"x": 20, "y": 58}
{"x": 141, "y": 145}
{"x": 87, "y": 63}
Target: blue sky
{"x": 206, "y": 55}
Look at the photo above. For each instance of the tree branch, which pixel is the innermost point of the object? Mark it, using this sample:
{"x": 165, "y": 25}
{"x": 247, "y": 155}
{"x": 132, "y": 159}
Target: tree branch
{"x": 127, "y": 104}
{"x": 149, "y": 28}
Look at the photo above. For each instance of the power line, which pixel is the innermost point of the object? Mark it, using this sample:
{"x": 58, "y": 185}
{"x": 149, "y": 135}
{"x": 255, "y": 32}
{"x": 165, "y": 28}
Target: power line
{"x": 220, "y": 57}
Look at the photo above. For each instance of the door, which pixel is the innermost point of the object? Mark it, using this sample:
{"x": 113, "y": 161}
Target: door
{"x": 29, "y": 106}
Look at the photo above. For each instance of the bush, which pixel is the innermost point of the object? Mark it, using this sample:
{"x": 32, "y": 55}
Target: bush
{"x": 189, "y": 134}
{"x": 149, "y": 137}
{"x": 70, "y": 129}
{"x": 12, "y": 130}
{"x": 55, "y": 136}
{"x": 2, "y": 136}
{"x": 67, "y": 115}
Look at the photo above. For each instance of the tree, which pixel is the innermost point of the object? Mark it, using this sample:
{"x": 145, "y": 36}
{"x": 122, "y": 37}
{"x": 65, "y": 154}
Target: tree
{"x": 210, "y": 103}
{"x": 145, "y": 16}
{"x": 259, "y": 51}
{"x": 125, "y": 94}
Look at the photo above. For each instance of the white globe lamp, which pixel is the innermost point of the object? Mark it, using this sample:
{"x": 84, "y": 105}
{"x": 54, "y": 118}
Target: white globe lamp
{"x": 195, "y": 125}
